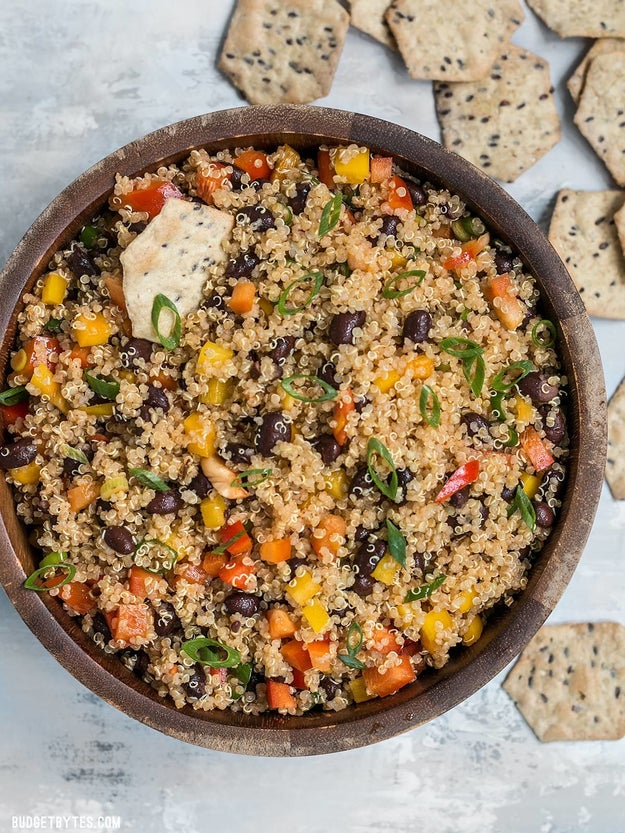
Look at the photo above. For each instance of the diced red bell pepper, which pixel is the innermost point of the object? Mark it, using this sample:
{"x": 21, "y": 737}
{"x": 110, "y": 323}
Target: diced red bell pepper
{"x": 237, "y": 572}
{"x": 468, "y": 252}
{"x": 11, "y": 413}
{"x": 296, "y": 655}
{"x": 81, "y": 354}
{"x": 99, "y": 438}
{"x": 299, "y": 681}
{"x": 254, "y": 163}
{"x": 237, "y": 534}
{"x": 381, "y": 168}
{"x": 78, "y": 596}
{"x": 398, "y": 194}
{"x": 325, "y": 169}
{"x": 535, "y": 449}
{"x": 131, "y": 622}
{"x": 459, "y": 479}
{"x": 279, "y": 696}
{"x": 209, "y": 179}
{"x": 380, "y": 684}
{"x": 153, "y": 198}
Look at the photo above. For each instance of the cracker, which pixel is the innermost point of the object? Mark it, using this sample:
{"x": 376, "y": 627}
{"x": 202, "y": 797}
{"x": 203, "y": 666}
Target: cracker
{"x": 600, "y": 115}
{"x": 444, "y": 40}
{"x": 599, "y": 47}
{"x": 619, "y": 222}
{"x": 171, "y": 257}
{"x": 284, "y": 51}
{"x": 569, "y": 682}
{"x": 505, "y": 123}
{"x": 615, "y": 466}
{"x": 582, "y": 18}
{"x": 368, "y": 16}
{"x": 584, "y": 234}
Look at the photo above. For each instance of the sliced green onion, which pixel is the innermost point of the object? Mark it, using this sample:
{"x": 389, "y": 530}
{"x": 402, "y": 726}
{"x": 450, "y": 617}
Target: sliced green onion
{"x": 287, "y": 215}
{"x": 354, "y": 639}
{"x": 317, "y": 282}
{"x": 375, "y": 447}
{"x": 146, "y": 545}
{"x": 430, "y": 406}
{"x": 513, "y": 438}
{"x": 476, "y": 381}
{"x": 287, "y": 385}
{"x": 496, "y": 406}
{"x": 464, "y": 315}
{"x": 52, "y": 559}
{"x": 390, "y": 292}
{"x": 243, "y": 673}
{"x": 525, "y": 508}
{"x": 53, "y": 325}
{"x": 461, "y": 348}
{"x": 212, "y": 653}
{"x": 31, "y": 582}
{"x": 220, "y": 550}
{"x": 542, "y": 328}
{"x": 425, "y": 590}
{"x": 351, "y": 662}
{"x": 251, "y": 478}
{"x": 146, "y": 478}
{"x": 106, "y": 388}
{"x": 460, "y": 232}
{"x": 89, "y": 236}
{"x": 12, "y": 396}
{"x": 162, "y": 302}
{"x": 330, "y": 214}
{"x": 74, "y": 454}
{"x": 343, "y": 269}
{"x": 113, "y": 486}
{"x": 510, "y": 376}
{"x": 396, "y": 543}
{"x": 467, "y": 228}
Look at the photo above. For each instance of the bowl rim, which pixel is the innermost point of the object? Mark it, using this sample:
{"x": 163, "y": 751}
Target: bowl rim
{"x": 370, "y": 722}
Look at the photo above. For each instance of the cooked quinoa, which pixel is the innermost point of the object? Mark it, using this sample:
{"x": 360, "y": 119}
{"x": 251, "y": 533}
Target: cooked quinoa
{"x": 336, "y": 445}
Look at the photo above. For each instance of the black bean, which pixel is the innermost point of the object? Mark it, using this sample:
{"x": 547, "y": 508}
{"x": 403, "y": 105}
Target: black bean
{"x": 343, "y": 325}
{"x": 387, "y": 229}
{"x": 101, "y": 627}
{"x": 81, "y": 263}
{"x": 417, "y": 326}
{"x": 135, "y": 349}
{"x": 459, "y": 499}
{"x": 138, "y": 227}
{"x": 215, "y": 301}
{"x": 274, "y": 428}
{"x": 544, "y": 514}
{"x": 327, "y": 374}
{"x": 164, "y": 503}
{"x": 257, "y": 217}
{"x": 363, "y": 585}
{"x": 328, "y": 448}
{"x": 235, "y": 178}
{"x": 475, "y": 423}
{"x": 243, "y": 265}
{"x": 536, "y": 386}
{"x": 166, "y": 619}
{"x": 362, "y": 482}
{"x": 280, "y": 349}
{"x": 20, "y": 453}
{"x": 119, "y": 539}
{"x": 255, "y": 366}
{"x": 256, "y": 678}
{"x": 504, "y": 262}
{"x": 484, "y": 511}
{"x": 419, "y": 562}
{"x": 195, "y": 687}
{"x": 329, "y": 687}
{"x": 201, "y": 485}
{"x": 360, "y": 403}
{"x": 554, "y": 433}
{"x": 156, "y": 398}
{"x": 417, "y": 194}
{"x": 508, "y": 494}
{"x": 368, "y": 555}
{"x": 140, "y": 667}
{"x": 239, "y": 453}
{"x": 404, "y": 477}
{"x": 361, "y": 533}
{"x": 297, "y": 203}
{"x": 71, "y": 467}
{"x": 243, "y": 603}
{"x": 294, "y": 563}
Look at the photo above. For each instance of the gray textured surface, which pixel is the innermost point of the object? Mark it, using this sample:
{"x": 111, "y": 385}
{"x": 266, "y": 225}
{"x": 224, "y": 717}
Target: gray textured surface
{"x": 78, "y": 79}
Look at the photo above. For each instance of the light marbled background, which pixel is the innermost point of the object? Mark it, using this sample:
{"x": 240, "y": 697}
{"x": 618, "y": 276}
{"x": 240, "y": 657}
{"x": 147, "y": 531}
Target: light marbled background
{"x": 78, "y": 79}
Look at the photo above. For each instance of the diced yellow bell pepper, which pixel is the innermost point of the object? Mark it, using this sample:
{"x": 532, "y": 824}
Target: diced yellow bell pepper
{"x": 91, "y": 331}
{"x": 524, "y": 409}
{"x": 213, "y": 511}
{"x": 359, "y": 690}
{"x": 103, "y": 409}
{"x": 218, "y": 392}
{"x": 127, "y": 375}
{"x": 287, "y": 160}
{"x": 387, "y": 380}
{"x": 266, "y": 306}
{"x": 422, "y": 367}
{"x": 54, "y": 289}
{"x": 353, "y": 166}
{"x": 316, "y": 615}
{"x": 212, "y": 356}
{"x": 113, "y": 486}
{"x": 406, "y": 612}
{"x": 19, "y": 361}
{"x": 398, "y": 261}
{"x": 303, "y": 588}
{"x": 531, "y": 484}
{"x": 430, "y": 630}
{"x": 474, "y": 631}
{"x": 336, "y": 483}
{"x": 386, "y": 570}
{"x": 201, "y": 434}
{"x": 26, "y": 475}
{"x": 464, "y": 601}
{"x": 43, "y": 380}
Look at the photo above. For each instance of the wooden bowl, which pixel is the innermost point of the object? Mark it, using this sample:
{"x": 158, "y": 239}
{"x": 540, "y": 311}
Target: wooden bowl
{"x": 508, "y": 629}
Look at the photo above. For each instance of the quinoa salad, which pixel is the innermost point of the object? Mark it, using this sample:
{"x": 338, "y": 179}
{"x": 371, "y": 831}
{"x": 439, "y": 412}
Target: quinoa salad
{"x": 284, "y": 427}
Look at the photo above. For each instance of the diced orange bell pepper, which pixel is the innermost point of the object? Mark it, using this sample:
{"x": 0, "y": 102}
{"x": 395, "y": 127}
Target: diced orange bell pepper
{"x": 153, "y": 198}
{"x": 281, "y": 625}
{"x": 254, "y": 163}
{"x": 11, "y": 413}
{"x": 384, "y": 641}
{"x": 141, "y": 582}
{"x": 383, "y": 685}
{"x": 462, "y": 477}
{"x": 39, "y": 350}
{"x": 236, "y": 534}
{"x": 275, "y": 552}
{"x": 191, "y": 573}
{"x": 279, "y": 696}
{"x": 381, "y": 168}
{"x": 164, "y": 380}
{"x": 83, "y": 495}
{"x": 78, "y": 596}
{"x": 296, "y": 655}
{"x": 237, "y": 572}
{"x": 115, "y": 291}
{"x": 342, "y": 409}
{"x": 213, "y": 563}
{"x": 398, "y": 195}
{"x": 535, "y": 449}
{"x": 332, "y": 528}
{"x": 81, "y": 354}
{"x": 325, "y": 169}
{"x": 132, "y": 622}
{"x": 320, "y": 653}
{"x": 506, "y": 306}
{"x": 209, "y": 179}
{"x": 496, "y": 287}
{"x": 468, "y": 252}
{"x": 242, "y": 298}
